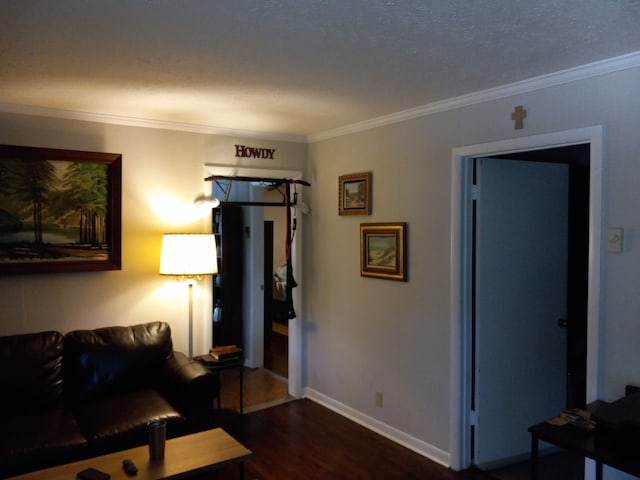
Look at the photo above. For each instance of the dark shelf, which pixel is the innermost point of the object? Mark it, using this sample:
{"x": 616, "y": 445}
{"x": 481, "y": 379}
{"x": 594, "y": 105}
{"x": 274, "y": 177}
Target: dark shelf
{"x": 227, "y": 284}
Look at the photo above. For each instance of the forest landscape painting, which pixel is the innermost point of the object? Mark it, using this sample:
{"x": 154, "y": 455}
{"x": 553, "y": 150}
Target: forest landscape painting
{"x": 59, "y": 210}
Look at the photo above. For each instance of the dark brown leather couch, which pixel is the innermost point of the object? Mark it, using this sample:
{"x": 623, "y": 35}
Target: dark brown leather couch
{"x": 91, "y": 392}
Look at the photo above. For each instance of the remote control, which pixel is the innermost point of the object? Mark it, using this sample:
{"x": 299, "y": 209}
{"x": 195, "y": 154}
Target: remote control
{"x": 129, "y": 467}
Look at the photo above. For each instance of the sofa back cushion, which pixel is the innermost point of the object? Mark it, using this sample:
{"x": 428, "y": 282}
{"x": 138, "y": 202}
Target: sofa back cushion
{"x": 31, "y": 372}
{"x": 107, "y": 361}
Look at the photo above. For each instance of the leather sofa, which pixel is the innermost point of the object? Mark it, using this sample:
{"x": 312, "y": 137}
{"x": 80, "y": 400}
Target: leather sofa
{"x": 91, "y": 392}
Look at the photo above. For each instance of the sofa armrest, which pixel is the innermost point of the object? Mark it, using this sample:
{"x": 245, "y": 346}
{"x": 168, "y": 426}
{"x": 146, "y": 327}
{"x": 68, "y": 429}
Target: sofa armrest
{"x": 189, "y": 386}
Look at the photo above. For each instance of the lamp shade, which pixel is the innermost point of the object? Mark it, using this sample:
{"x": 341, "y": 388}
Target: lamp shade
{"x": 188, "y": 254}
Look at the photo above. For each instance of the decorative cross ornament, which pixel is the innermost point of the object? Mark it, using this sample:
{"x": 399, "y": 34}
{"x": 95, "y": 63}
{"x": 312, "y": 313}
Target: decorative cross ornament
{"x": 518, "y": 116}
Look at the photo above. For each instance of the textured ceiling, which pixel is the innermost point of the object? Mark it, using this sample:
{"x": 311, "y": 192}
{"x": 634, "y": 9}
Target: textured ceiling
{"x": 294, "y": 67}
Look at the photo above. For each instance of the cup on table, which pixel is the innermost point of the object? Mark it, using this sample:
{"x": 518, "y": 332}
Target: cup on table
{"x": 157, "y": 438}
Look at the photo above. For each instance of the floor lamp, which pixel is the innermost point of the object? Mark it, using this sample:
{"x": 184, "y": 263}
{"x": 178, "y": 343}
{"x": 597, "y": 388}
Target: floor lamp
{"x": 188, "y": 256}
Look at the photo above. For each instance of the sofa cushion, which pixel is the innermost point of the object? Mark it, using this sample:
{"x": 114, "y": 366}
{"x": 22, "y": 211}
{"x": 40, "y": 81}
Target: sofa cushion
{"x": 34, "y": 441}
{"x": 120, "y": 422}
{"x": 107, "y": 361}
{"x": 31, "y": 372}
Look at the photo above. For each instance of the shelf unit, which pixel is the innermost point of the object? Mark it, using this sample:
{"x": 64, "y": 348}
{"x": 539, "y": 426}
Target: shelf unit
{"x": 228, "y": 283}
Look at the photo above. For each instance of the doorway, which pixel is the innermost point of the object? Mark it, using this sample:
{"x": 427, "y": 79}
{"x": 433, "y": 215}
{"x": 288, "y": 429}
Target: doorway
{"x": 521, "y": 243}
{"x": 464, "y": 417}
{"x": 255, "y": 274}
{"x": 276, "y": 320}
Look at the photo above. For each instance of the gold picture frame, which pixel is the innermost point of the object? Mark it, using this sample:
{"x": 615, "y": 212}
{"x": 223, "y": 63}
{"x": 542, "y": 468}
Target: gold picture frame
{"x": 354, "y": 194}
{"x": 383, "y": 250}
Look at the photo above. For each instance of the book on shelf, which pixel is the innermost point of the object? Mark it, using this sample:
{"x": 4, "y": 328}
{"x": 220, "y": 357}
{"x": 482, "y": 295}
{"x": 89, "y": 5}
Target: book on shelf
{"x": 225, "y": 352}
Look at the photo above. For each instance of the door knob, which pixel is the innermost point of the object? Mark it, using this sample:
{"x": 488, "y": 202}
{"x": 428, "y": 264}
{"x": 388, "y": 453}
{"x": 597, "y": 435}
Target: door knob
{"x": 562, "y": 322}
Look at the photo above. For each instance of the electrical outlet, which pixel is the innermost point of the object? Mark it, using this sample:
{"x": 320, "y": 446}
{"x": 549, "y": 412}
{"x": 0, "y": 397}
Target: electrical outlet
{"x": 378, "y": 399}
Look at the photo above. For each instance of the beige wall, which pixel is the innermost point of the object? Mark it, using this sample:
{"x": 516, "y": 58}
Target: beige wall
{"x": 162, "y": 173}
{"x": 366, "y": 335}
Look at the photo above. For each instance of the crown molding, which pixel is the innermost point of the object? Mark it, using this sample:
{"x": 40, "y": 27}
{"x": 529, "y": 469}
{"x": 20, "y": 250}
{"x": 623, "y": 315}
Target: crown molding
{"x": 623, "y": 62}
{"x": 145, "y": 123}
{"x": 569, "y": 75}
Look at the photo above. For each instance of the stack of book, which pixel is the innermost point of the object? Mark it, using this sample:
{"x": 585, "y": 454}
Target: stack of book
{"x": 226, "y": 352}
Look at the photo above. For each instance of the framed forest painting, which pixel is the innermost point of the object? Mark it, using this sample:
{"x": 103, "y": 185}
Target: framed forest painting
{"x": 60, "y": 210}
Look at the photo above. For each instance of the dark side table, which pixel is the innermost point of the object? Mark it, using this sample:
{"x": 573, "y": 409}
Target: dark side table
{"x": 606, "y": 446}
{"x": 216, "y": 366}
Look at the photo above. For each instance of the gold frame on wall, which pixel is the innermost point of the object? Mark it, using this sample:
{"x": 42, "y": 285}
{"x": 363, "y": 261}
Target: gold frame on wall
{"x": 383, "y": 250}
{"x": 354, "y": 194}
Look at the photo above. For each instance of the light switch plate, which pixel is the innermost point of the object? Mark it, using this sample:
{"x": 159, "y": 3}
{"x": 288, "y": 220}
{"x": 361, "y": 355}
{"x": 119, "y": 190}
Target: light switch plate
{"x": 614, "y": 239}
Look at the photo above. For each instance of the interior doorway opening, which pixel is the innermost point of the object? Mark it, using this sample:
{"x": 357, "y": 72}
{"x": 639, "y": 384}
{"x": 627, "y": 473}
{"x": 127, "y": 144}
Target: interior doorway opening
{"x": 528, "y": 332}
{"x": 255, "y": 274}
{"x": 276, "y": 321}
{"x": 462, "y": 419}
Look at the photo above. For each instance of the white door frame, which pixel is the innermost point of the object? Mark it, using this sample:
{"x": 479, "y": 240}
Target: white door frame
{"x": 460, "y": 305}
{"x": 256, "y": 281}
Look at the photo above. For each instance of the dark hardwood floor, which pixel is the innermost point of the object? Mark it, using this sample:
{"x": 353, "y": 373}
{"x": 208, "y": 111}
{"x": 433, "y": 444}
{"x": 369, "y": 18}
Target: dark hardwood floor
{"x": 304, "y": 440}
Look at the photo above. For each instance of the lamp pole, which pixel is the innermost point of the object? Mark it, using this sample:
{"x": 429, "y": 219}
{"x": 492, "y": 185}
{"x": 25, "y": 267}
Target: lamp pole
{"x": 190, "y": 318}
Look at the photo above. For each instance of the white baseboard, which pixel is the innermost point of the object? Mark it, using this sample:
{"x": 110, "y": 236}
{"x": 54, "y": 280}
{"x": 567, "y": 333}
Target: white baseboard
{"x": 429, "y": 451}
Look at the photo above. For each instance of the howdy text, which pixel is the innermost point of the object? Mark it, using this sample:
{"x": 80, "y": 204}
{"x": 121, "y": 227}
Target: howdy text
{"x": 244, "y": 151}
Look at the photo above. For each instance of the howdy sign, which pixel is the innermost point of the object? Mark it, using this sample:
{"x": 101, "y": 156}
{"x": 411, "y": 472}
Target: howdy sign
{"x": 254, "y": 152}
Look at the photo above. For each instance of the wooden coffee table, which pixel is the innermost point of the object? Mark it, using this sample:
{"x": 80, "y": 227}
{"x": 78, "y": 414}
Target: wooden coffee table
{"x": 185, "y": 457}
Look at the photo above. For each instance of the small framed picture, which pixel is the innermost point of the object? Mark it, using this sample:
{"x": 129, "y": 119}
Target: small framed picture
{"x": 354, "y": 194}
{"x": 383, "y": 250}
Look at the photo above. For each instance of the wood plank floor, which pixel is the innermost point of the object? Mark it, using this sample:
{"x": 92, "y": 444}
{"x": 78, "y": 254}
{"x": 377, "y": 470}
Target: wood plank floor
{"x": 304, "y": 440}
{"x": 261, "y": 388}
{"x": 276, "y": 354}
{"x": 264, "y": 388}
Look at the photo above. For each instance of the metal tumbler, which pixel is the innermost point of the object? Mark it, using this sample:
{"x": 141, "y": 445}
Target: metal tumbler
{"x": 157, "y": 438}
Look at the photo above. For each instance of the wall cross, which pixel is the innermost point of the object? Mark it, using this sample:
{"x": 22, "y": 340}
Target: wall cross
{"x": 518, "y": 116}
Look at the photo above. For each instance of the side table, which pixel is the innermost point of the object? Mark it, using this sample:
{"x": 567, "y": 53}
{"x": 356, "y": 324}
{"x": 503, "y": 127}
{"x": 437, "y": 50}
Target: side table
{"x": 216, "y": 366}
{"x": 604, "y": 446}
